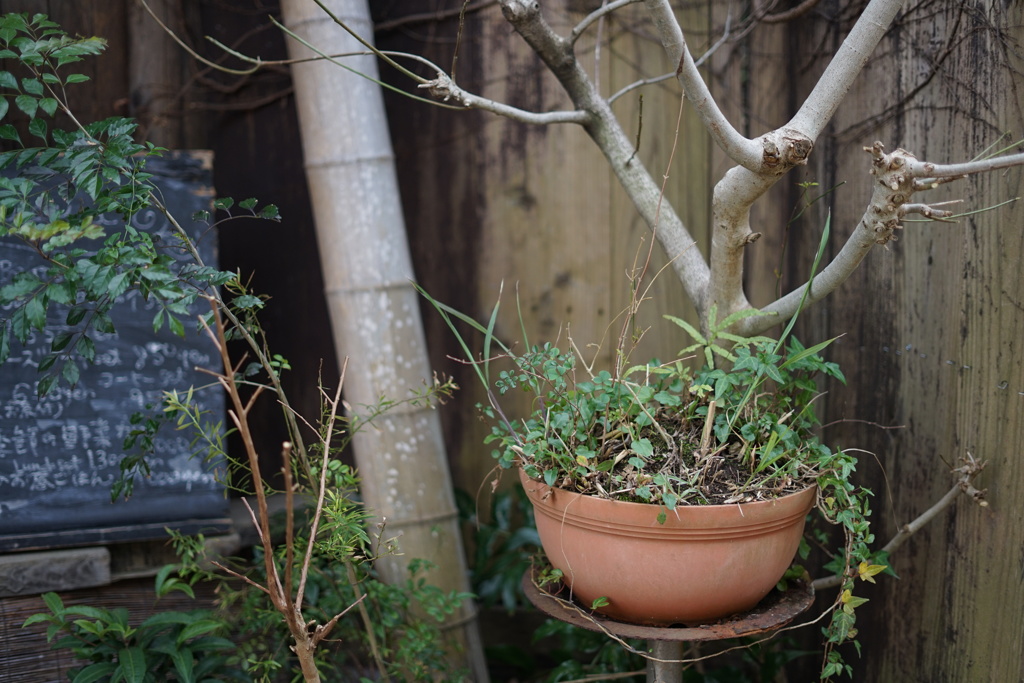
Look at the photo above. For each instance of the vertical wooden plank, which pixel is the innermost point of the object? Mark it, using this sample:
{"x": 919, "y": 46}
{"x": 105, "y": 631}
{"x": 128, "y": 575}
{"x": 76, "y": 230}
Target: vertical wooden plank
{"x": 546, "y": 229}
{"x": 156, "y": 72}
{"x": 104, "y": 95}
{"x": 675, "y": 150}
{"x": 547, "y": 216}
{"x": 974, "y": 566}
{"x": 932, "y": 345}
{"x": 757, "y": 96}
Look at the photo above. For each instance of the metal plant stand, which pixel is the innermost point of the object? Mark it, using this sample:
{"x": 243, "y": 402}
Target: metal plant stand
{"x": 666, "y": 643}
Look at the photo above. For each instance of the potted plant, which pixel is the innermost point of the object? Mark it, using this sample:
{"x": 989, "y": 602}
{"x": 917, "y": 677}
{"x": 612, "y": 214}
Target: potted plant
{"x": 666, "y": 494}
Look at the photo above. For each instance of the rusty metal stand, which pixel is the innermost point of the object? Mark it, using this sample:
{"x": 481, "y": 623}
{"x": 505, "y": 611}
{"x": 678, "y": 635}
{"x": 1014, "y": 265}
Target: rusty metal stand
{"x": 666, "y": 643}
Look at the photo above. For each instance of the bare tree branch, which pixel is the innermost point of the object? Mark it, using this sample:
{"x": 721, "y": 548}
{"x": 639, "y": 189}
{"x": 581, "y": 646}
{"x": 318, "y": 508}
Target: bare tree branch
{"x": 896, "y": 181}
{"x": 830, "y": 90}
{"x": 664, "y": 77}
{"x": 604, "y": 129}
{"x": 596, "y": 15}
{"x": 922, "y": 169}
{"x": 445, "y": 89}
{"x": 746, "y": 153}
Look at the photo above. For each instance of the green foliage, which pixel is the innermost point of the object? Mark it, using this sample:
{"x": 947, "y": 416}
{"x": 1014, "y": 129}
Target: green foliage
{"x": 65, "y": 183}
{"x": 503, "y": 547}
{"x": 662, "y": 433}
{"x": 65, "y": 188}
{"x": 645, "y": 436}
{"x": 402, "y": 622}
{"x": 393, "y": 628}
{"x": 711, "y": 344}
{"x": 168, "y": 646}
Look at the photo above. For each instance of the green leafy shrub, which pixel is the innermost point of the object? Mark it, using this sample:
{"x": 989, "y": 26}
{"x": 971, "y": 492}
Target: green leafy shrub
{"x": 189, "y": 647}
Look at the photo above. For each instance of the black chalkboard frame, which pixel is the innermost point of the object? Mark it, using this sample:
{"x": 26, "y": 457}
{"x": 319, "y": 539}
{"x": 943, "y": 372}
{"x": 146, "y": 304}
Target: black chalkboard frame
{"x": 59, "y": 456}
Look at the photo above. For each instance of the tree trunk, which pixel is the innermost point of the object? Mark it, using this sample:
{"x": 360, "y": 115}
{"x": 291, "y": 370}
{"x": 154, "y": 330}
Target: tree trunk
{"x": 374, "y": 310}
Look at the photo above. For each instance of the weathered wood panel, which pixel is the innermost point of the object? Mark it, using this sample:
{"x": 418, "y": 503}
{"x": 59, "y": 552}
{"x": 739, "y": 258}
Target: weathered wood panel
{"x": 933, "y": 327}
{"x": 108, "y": 87}
{"x": 491, "y": 202}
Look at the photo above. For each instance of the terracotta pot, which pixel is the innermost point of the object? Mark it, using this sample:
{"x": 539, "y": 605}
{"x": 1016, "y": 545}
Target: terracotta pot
{"x": 704, "y": 563}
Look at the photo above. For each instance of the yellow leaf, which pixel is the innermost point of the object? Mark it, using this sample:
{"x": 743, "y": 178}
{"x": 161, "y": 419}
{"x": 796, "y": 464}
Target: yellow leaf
{"x": 850, "y": 601}
{"x": 867, "y": 571}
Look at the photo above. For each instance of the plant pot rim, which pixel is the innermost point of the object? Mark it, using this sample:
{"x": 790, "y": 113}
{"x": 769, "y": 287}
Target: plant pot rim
{"x": 682, "y": 506}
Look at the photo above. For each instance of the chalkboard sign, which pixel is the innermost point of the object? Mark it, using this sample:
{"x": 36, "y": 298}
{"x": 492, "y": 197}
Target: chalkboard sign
{"x": 60, "y": 454}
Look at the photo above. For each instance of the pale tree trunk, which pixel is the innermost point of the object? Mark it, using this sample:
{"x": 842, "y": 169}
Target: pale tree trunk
{"x": 374, "y": 309}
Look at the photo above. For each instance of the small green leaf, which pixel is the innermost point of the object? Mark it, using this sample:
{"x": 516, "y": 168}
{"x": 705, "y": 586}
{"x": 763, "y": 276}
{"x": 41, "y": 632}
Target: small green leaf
{"x": 54, "y": 603}
{"x": 131, "y": 663}
{"x": 197, "y": 629}
{"x": 248, "y": 204}
{"x": 643, "y": 447}
{"x": 100, "y": 671}
{"x": 38, "y": 619}
{"x": 75, "y": 78}
{"x": 176, "y": 326}
{"x": 32, "y": 86}
{"x": 161, "y": 579}
{"x": 20, "y": 326}
{"x": 86, "y": 348}
{"x": 70, "y": 372}
{"x": 689, "y": 329}
{"x": 45, "y": 385}
{"x": 183, "y": 664}
{"x": 35, "y": 310}
{"x": 5, "y": 342}
{"x": 76, "y": 315}
{"x": 5, "y": 106}
{"x": 27, "y": 104}
{"x": 103, "y": 323}
{"x": 62, "y": 292}
{"x": 246, "y": 301}
{"x": 9, "y": 132}
{"x": 38, "y": 128}
{"x": 119, "y": 284}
